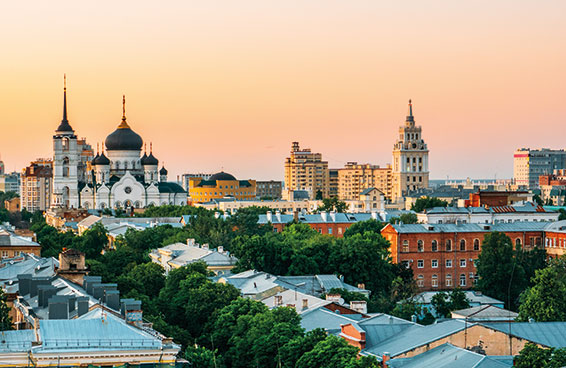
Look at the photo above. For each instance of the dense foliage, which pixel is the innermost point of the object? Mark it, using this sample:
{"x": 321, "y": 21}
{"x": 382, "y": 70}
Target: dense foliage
{"x": 504, "y": 271}
{"x": 534, "y": 357}
{"x": 446, "y": 302}
{"x": 425, "y": 203}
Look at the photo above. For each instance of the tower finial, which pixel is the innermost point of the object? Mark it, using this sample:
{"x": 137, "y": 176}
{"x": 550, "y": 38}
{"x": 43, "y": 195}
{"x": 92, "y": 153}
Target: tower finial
{"x": 64, "y": 126}
{"x": 150, "y": 147}
{"x": 410, "y": 107}
{"x": 144, "y": 148}
{"x": 124, "y": 107}
{"x": 97, "y": 149}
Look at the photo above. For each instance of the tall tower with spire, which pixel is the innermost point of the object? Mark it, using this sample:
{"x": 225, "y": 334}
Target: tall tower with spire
{"x": 410, "y": 158}
{"x": 66, "y": 159}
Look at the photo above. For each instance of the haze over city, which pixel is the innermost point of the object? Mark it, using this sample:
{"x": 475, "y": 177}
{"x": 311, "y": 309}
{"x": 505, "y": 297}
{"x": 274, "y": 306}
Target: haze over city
{"x": 229, "y": 85}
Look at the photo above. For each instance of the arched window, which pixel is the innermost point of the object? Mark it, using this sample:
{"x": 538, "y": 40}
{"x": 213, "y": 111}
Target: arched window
{"x": 518, "y": 242}
{"x": 117, "y": 165}
{"x": 420, "y": 246}
{"x": 66, "y": 167}
{"x": 476, "y": 244}
{"x": 449, "y": 245}
{"x": 434, "y": 246}
{"x": 117, "y": 204}
{"x": 462, "y": 245}
{"x": 420, "y": 281}
{"x": 463, "y": 279}
{"x": 103, "y": 205}
{"x": 434, "y": 281}
{"x": 137, "y": 204}
{"x": 125, "y": 165}
{"x": 133, "y": 164}
{"x": 65, "y": 144}
{"x": 405, "y": 246}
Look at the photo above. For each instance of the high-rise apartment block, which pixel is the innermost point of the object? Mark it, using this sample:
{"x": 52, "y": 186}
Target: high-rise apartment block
{"x": 529, "y": 164}
{"x": 354, "y": 178}
{"x": 36, "y": 187}
{"x": 410, "y": 158}
{"x": 305, "y": 170}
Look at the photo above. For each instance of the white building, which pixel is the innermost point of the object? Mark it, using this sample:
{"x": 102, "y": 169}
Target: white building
{"x": 119, "y": 178}
{"x": 492, "y": 215}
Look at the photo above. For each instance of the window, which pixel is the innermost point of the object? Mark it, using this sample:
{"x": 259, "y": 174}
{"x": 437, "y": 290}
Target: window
{"x": 449, "y": 245}
{"x": 434, "y": 281}
{"x": 462, "y": 263}
{"x": 420, "y": 263}
{"x": 448, "y": 280}
{"x": 330, "y": 230}
{"x": 462, "y": 245}
{"x": 434, "y": 263}
{"x": 476, "y": 244}
{"x": 463, "y": 279}
{"x": 420, "y": 246}
{"x": 420, "y": 281}
{"x": 405, "y": 245}
{"x": 434, "y": 246}
{"x": 339, "y": 230}
{"x": 448, "y": 263}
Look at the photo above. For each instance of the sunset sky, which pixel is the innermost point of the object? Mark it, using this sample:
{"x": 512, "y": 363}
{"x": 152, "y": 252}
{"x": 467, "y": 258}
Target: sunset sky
{"x": 230, "y": 84}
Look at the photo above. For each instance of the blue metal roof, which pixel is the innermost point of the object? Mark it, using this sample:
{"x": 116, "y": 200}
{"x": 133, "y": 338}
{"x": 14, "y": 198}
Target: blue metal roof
{"x": 447, "y": 356}
{"x": 470, "y": 228}
{"x": 19, "y": 340}
{"x": 550, "y": 334}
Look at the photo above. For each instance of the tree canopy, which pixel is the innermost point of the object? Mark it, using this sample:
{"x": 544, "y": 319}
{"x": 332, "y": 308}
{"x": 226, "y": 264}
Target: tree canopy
{"x": 425, "y": 203}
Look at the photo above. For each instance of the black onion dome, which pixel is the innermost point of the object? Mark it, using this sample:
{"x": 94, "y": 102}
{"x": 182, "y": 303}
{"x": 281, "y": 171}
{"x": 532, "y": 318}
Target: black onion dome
{"x": 143, "y": 158}
{"x": 102, "y": 160}
{"x": 222, "y": 176}
{"x": 93, "y": 162}
{"x": 163, "y": 171}
{"x": 124, "y": 139}
{"x": 150, "y": 160}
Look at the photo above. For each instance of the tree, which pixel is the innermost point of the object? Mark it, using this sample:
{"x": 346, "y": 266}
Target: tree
{"x": 199, "y": 357}
{"x": 458, "y": 300}
{"x": 334, "y": 352}
{"x": 405, "y": 218}
{"x": 501, "y": 275}
{"x": 5, "y": 319}
{"x": 318, "y": 195}
{"x": 534, "y": 357}
{"x": 546, "y": 300}
{"x": 538, "y": 200}
{"x": 332, "y": 204}
{"x": 147, "y": 278}
{"x": 362, "y": 227}
{"x": 425, "y": 203}
{"x": 441, "y": 303}
{"x": 562, "y": 215}
{"x": 93, "y": 241}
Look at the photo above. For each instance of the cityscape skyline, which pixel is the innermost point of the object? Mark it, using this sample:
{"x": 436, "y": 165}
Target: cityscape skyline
{"x": 293, "y": 81}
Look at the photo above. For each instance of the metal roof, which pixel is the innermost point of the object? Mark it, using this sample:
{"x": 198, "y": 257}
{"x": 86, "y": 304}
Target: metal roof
{"x": 470, "y": 228}
{"x": 447, "y": 356}
{"x": 473, "y": 297}
{"x": 550, "y": 334}
{"x": 323, "y": 318}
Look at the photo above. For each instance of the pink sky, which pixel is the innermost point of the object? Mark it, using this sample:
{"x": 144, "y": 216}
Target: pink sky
{"x": 229, "y": 84}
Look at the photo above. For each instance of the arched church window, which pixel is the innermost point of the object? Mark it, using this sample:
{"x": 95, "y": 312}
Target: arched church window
{"x": 126, "y": 165}
{"x": 65, "y": 166}
{"x": 65, "y": 144}
{"x": 117, "y": 165}
{"x": 133, "y": 164}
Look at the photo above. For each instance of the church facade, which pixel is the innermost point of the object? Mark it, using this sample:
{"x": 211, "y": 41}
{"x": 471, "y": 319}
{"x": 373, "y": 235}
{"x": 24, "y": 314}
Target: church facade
{"x": 117, "y": 177}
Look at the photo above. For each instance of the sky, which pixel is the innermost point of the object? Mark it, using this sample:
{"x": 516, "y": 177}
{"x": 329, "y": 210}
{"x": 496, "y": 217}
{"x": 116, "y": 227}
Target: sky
{"x": 228, "y": 85}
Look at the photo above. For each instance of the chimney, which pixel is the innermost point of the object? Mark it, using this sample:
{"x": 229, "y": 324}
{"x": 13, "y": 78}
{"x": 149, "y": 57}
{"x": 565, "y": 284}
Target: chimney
{"x": 44, "y": 292}
{"x": 205, "y": 246}
{"x": 278, "y": 300}
{"x": 278, "y": 216}
{"x": 35, "y": 282}
{"x": 296, "y": 216}
{"x": 362, "y": 286}
{"x": 220, "y": 249}
{"x": 414, "y": 318}
{"x": 360, "y": 306}
{"x": 324, "y": 216}
{"x": 24, "y": 284}
{"x": 269, "y": 217}
{"x": 112, "y": 299}
{"x": 333, "y": 216}
{"x": 58, "y": 307}
{"x": 82, "y": 305}
{"x": 190, "y": 242}
{"x": 305, "y": 304}
{"x": 374, "y": 216}
{"x": 333, "y": 297}
{"x": 385, "y": 359}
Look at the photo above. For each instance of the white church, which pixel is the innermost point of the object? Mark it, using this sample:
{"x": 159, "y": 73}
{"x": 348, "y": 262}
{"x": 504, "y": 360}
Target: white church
{"x": 118, "y": 178}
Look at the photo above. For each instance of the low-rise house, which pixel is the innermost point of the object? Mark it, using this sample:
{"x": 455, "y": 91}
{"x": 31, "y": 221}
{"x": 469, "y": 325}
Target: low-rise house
{"x": 446, "y": 356}
{"x": 475, "y": 299}
{"x": 96, "y": 338}
{"x": 12, "y": 245}
{"x": 142, "y": 222}
{"x": 181, "y": 254}
{"x": 485, "y": 313}
{"x": 256, "y": 284}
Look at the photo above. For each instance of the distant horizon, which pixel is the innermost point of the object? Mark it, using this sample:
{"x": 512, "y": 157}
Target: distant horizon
{"x": 230, "y": 87}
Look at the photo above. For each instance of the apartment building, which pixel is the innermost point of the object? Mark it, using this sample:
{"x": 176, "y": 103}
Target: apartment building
{"x": 305, "y": 170}
{"x": 354, "y": 178}
{"x": 530, "y": 164}
{"x": 36, "y": 185}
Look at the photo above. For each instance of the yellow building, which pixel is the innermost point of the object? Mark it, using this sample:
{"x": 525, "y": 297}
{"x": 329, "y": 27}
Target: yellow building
{"x": 221, "y": 185}
{"x": 353, "y": 179}
{"x": 305, "y": 170}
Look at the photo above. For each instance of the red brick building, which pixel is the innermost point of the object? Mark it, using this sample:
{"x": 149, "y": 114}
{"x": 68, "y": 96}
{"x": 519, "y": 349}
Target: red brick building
{"x": 555, "y": 239}
{"x": 443, "y": 256}
{"x": 497, "y": 198}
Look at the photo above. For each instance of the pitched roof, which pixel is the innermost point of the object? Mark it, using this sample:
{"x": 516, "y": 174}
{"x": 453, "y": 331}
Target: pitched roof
{"x": 473, "y": 296}
{"x": 485, "y": 313}
{"x": 550, "y": 334}
{"x": 447, "y": 356}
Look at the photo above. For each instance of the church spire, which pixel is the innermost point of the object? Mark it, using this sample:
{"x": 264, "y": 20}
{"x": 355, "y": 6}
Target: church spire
{"x": 65, "y": 127}
{"x": 123, "y": 124}
{"x": 410, "y": 118}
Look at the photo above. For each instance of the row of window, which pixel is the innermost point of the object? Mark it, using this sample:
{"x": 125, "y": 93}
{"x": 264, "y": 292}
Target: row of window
{"x": 434, "y": 263}
{"x": 447, "y": 281}
{"x": 448, "y": 245}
